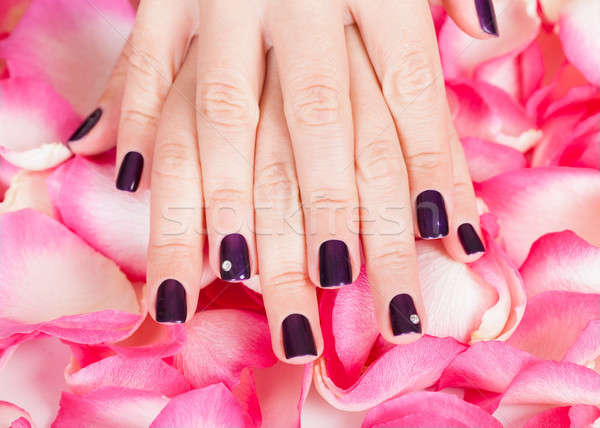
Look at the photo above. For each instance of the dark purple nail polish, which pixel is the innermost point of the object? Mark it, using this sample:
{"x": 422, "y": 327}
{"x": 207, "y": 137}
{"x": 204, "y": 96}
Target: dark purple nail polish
{"x": 87, "y": 125}
{"x": 171, "y": 305}
{"x": 235, "y": 262}
{"x": 403, "y": 315}
{"x": 469, "y": 239}
{"x": 334, "y": 264}
{"x": 487, "y": 16}
{"x": 130, "y": 172}
{"x": 297, "y": 336}
{"x": 431, "y": 215}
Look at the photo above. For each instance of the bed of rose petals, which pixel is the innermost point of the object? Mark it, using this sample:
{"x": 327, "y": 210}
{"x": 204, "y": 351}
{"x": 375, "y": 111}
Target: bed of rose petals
{"x": 513, "y": 340}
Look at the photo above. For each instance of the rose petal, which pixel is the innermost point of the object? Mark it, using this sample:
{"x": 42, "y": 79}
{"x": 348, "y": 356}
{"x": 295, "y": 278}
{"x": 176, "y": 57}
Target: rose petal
{"x": 559, "y": 198}
{"x": 552, "y": 312}
{"x": 429, "y": 409}
{"x": 147, "y": 374}
{"x": 486, "y": 159}
{"x": 111, "y": 408}
{"x": 71, "y": 46}
{"x": 221, "y": 343}
{"x": 11, "y": 12}
{"x": 28, "y": 190}
{"x": 414, "y": 366}
{"x": 245, "y": 394}
{"x": 212, "y": 406}
{"x": 561, "y": 261}
{"x": 31, "y": 114}
{"x": 42, "y": 263}
{"x": 582, "y": 415}
{"x": 580, "y": 36}
{"x": 518, "y": 25}
{"x": 13, "y": 416}
{"x": 556, "y": 418}
{"x": 40, "y": 158}
{"x": 586, "y": 349}
{"x": 7, "y": 172}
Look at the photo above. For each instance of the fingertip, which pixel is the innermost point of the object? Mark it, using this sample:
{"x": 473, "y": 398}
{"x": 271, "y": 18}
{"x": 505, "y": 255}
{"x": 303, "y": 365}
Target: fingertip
{"x": 477, "y": 18}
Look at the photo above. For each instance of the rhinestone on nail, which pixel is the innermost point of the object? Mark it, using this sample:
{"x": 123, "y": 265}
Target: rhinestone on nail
{"x": 226, "y": 266}
{"x": 414, "y": 318}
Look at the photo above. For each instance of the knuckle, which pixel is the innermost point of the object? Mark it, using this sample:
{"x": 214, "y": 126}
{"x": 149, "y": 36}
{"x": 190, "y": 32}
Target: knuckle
{"x": 226, "y": 196}
{"x": 174, "y": 159}
{"x": 380, "y": 161}
{"x": 412, "y": 75}
{"x": 139, "y": 118}
{"x": 289, "y": 279}
{"x": 326, "y": 197}
{"x": 396, "y": 256}
{"x": 225, "y": 101}
{"x": 316, "y": 101}
{"x": 168, "y": 249}
{"x": 277, "y": 181}
{"x": 146, "y": 67}
{"x": 426, "y": 162}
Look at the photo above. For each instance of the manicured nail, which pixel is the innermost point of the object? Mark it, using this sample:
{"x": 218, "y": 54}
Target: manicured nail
{"x": 469, "y": 239}
{"x": 87, "y": 125}
{"x": 334, "y": 264}
{"x": 431, "y": 215}
{"x": 403, "y": 315}
{"x": 235, "y": 262}
{"x": 130, "y": 172}
{"x": 297, "y": 336}
{"x": 487, "y": 16}
{"x": 171, "y": 304}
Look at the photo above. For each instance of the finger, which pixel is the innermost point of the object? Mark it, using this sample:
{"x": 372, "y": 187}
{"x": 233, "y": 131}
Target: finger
{"x": 464, "y": 242}
{"x": 386, "y": 217}
{"x": 158, "y": 44}
{"x": 413, "y": 86}
{"x": 230, "y": 75}
{"x": 175, "y": 247}
{"x": 290, "y": 298}
{"x": 477, "y": 18}
{"x": 308, "y": 37}
{"x": 98, "y": 132}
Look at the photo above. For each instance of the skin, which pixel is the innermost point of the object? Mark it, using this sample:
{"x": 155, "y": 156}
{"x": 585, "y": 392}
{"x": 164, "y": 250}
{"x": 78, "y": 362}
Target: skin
{"x": 347, "y": 118}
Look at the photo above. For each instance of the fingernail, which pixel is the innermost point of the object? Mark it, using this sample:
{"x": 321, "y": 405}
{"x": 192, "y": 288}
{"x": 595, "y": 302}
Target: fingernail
{"x": 487, "y": 16}
{"x": 431, "y": 215}
{"x": 297, "y": 336}
{"x": 235, "y": 262}
{"x": 87, "y": 125}
{"x": 171, "y": 304}
{"x": 130, "y": 172}
{"x": 403, "y": 315}
{"x": 334, "y": 264}
{"x": 469, "y": 239}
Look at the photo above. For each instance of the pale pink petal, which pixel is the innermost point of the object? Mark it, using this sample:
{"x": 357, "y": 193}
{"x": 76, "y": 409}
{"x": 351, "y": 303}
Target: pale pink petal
{"x": 518, "y": 25}
{"x": 151, "y": 340}
{"x": 487, "y": 159}
{"x": 42, "y": 263}
{"x": 503, "y": 72}
{"x": 71, "y": 45}
{"x": 10, "y": 344}
{"x": 221, "y": 343}
{"x": 28, "y": 190}
{"x": 552, "y": 312}
{"x": 557, "y": 417}
{"x": 580, "y": 36}
{"x": 532, "y": 71}
{"x": 245, "y": 394}
{"x": 13, "y": 416}
{"x": 428, "y": 409}
{"x": 140, "y": 373}
{"x": 403, "y": 369}
{"x": 7, "y": 172}
{"x": 32, "y": 113}
{"x": 561, "y": 261}
{"x": 212, "y": 406}
{"x": 552, "y": 8}
{"x": 486, "y": 366}
{"x": 546, "y": 385}
{"x": 110, "y": 408}
{"x": 349, "y": 330}
{"x": 113, "y": 222}
{"x": 530, "y": 203}
{"x": 586, "y": 349}
{"x": 41, "y": 158}
{"x": 582, "y": 415}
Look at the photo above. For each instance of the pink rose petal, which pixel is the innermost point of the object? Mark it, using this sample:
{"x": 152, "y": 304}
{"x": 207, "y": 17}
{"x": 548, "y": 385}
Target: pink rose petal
{"x": 487, "y": 159}
{"x": 28, "y": 190}
{"x": 11, "y": 12}
{"x": 428, "y": 409}
{"x": 13, "y": 416}
{"x": 245, "y": 394}
{"x": 557, "y": 417}
{"x": 580, "y": 37}
{"x": 582, "y": 415}
{"x": 561, "y": 261}
{"x": 147, "y": 374}
{"x": 221, "y": 343}
{"x": 71, "y": 46}
{"x": 110, "y": 407}
{"x": 552, "y": 312}
{"x": 212, "y": 406}
{"x": 7, "y": 172}
{"x": 586, "y": 349}
{"x": 414, "y": 367}
{"x": 530, "y": 203}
